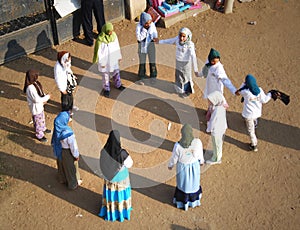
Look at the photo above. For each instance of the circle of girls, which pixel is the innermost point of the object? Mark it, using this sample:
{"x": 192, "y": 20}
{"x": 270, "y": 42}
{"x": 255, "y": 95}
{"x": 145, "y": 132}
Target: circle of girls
{"x": 187, "y": 154}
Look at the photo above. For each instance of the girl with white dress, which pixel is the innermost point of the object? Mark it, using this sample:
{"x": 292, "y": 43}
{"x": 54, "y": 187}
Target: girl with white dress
{"x": 107, "y": 55}
{"x": 185, "y": 58}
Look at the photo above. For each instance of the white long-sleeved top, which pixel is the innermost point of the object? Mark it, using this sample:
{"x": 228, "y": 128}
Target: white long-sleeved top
{"x": 252, "y": 108}
{"x": 61, "y": 76}
{"x": 35, "y": 101}
{"x": 217, "y": 123}
{"x": 145, "y": 36}
{"x": 217, "y": 79}
{"x": 71, "y": 143}
{"x": 184, "y": 53}
{"x": 109, "y": 55}
{"x": 187, "y": 155}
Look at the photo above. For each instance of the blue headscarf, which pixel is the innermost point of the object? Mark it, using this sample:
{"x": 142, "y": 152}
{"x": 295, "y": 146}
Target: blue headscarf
{"x": 60, "y": 132}
{"x": 250, "y": 83}
{"x": 145, "y": 17}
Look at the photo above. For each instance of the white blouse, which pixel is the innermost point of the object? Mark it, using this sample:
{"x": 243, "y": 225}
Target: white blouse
{"x": 216, "y": 79}
{"x": 109, "y": 55}
{"x": 145, "y": 36}
{"x": 184, "y": 53}
{"x": 71, "y": 143}
{"x": 61, "y": 76}
{"x": 187, "y": 155}
{"x": 35, "y": 101}
{"x": 252, "y": 108}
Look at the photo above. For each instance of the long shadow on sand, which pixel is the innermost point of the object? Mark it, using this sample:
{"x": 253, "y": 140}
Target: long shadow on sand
{"x": 269, "y": 131}
{"x": 43, "y": 176}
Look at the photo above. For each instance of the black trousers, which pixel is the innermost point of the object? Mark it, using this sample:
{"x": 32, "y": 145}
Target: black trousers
{"x": 152, "y": 59}
{"x": 87, "y": 7}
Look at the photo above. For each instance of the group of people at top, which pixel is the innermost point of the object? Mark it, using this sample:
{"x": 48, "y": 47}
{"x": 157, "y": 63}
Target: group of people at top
{"x": 187, "y": 153}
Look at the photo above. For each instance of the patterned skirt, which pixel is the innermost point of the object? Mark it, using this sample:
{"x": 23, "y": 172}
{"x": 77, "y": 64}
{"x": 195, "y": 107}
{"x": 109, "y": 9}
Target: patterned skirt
{"x": 116, "y": 200}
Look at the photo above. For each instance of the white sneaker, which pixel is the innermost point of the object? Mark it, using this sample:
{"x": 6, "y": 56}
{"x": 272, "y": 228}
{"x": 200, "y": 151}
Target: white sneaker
{"x": 253, "y": 147}
{"x": 79, "y": 182}
{"x": 209, "y": 162}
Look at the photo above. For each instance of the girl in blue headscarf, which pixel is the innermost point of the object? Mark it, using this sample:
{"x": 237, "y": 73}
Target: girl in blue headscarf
{"x": 146, "y": 35}
{"x": 66, "y": 151}
{"x": 253, "y": 98}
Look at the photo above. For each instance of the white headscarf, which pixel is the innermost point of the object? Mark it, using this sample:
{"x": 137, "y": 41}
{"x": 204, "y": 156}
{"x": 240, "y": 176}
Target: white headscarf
{"x": 216, "y": 98}
{"x": 65, "y": 62}
{"x": 188, "y": 34}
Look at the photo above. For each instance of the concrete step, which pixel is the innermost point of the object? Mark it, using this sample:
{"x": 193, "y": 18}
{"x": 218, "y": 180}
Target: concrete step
{"x": 169, "y": 21}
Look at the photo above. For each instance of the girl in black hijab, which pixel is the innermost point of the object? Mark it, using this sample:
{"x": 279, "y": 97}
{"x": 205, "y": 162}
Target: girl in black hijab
{"x": 114, "y": 164}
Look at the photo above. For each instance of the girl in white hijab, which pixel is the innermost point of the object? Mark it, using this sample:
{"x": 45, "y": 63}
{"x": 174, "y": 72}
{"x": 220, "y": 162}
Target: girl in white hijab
{"x": 185, "y": 57}
{"x": 217, "y": 125}
{"x": 65, "y": 80}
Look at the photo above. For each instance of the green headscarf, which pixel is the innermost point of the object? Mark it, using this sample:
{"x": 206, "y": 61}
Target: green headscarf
{"x": 186, "y": 136}
{"x": 104, "y": 37}
{"x": 212, "y": 55}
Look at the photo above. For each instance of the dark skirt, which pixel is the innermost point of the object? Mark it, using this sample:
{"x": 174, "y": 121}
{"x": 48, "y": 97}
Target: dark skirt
{"x": 185, "y": 200}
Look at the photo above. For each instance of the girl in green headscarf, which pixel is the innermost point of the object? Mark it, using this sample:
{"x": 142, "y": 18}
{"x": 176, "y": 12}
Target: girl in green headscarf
{"x": 107, "y": 55}
{"x": 216, "y": 78}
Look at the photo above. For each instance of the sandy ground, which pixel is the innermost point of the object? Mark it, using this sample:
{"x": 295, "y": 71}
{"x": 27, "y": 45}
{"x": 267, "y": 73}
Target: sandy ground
{"x": 247, "y": 191}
